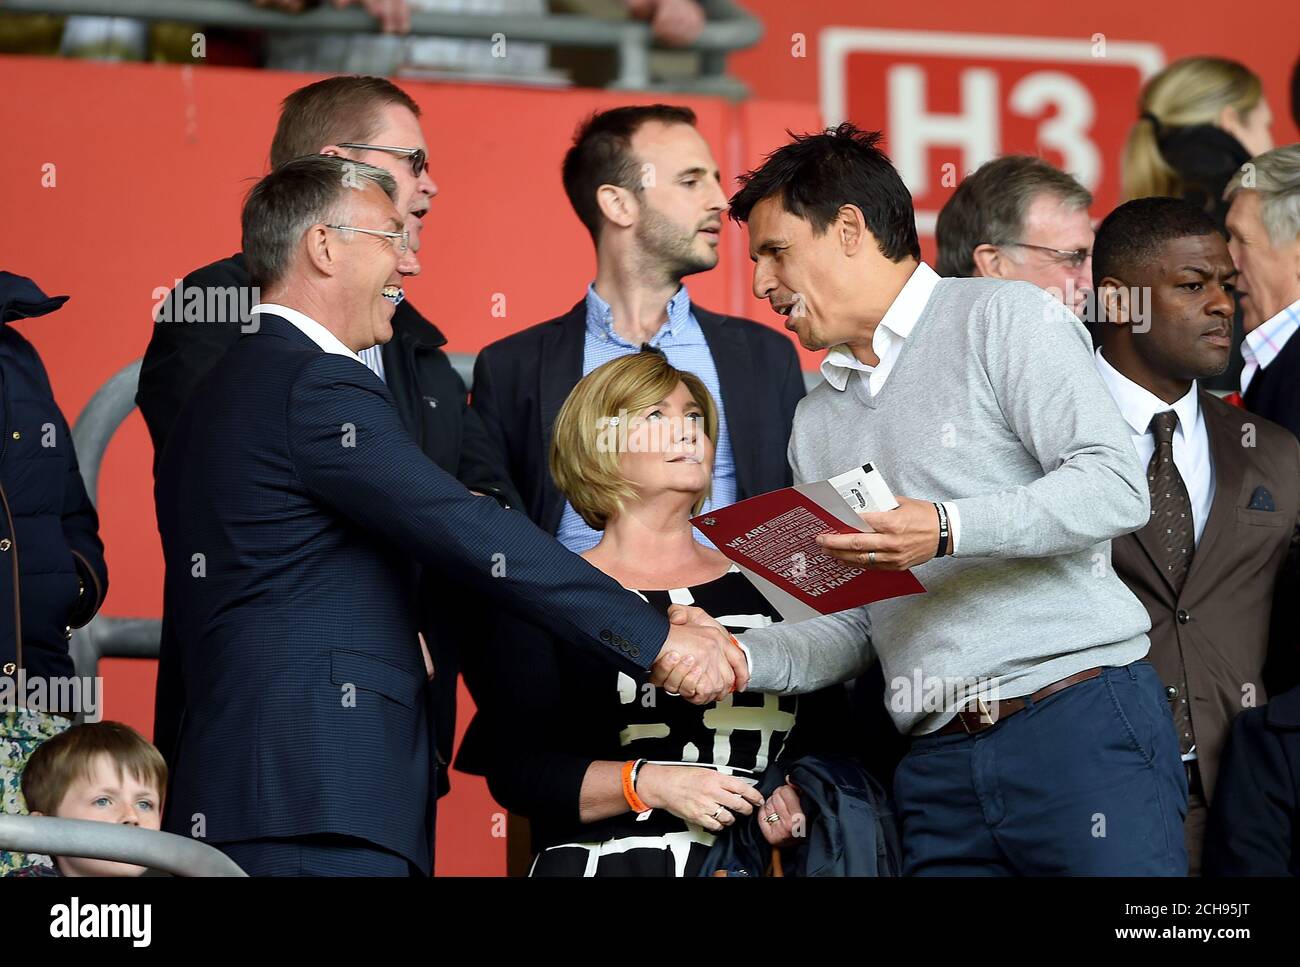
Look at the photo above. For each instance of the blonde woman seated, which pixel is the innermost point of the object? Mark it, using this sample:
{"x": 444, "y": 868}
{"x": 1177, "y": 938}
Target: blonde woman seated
{"x": 633, "y": 452}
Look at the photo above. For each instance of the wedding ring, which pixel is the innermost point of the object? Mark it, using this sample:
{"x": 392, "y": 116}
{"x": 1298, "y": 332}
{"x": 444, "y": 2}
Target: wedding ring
{"x": 715, "y": 813}
{"x": 772, "y": 818}
{"x": 871, "y": 558}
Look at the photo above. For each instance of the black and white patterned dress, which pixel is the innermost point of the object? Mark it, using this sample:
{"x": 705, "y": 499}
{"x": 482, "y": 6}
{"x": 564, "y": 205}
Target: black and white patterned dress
{"x": 553, "y": 716}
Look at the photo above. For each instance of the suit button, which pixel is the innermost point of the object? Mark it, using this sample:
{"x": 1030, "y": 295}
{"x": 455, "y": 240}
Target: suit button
{"x": 606, "y": 635}
{"x": 17, "y": 435}
{"x": 5, "y": 544}
{"x": 1183, "y": 617}
{"x": 67, "y": 632}
{"x": 10, "y": 668}
{"x": 1171, "y": 692}
{"x": 634, "y": 651}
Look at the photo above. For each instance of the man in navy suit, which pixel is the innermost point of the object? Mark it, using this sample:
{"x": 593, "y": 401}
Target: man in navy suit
{"x": 292, "y": 504}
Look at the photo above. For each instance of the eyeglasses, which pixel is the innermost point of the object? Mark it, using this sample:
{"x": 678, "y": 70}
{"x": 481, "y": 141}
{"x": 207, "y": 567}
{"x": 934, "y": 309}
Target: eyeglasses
{"x": 1074, "y": 258}
{"x": 419, "y": 160}
{"x": 403, "y": 237}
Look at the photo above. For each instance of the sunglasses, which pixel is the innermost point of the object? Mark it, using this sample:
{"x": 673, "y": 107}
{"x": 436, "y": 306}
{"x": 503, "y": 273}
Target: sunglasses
{"x": 419, "y": 160}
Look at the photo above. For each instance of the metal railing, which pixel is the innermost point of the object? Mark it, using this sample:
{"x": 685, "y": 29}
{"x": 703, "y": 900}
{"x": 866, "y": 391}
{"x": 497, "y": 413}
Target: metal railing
{"x": 729, "y": 29}
{"x": 84, "y": 838}
{"x": 99, "y": 420}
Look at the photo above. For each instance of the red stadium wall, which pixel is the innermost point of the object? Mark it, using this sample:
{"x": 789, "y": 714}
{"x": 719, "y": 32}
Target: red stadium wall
{"x": 150, "y": 164}
{"x": 117, "y": 179}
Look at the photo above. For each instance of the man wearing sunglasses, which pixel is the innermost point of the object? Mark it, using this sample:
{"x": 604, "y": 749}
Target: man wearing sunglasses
{"x": 1020, "y": 218}
{"x": 371, "y": 121}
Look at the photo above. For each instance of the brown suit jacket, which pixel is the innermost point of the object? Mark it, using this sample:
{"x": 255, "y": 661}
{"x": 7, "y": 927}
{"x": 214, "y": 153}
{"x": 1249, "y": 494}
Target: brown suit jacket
{"x": 1220, "y": 623}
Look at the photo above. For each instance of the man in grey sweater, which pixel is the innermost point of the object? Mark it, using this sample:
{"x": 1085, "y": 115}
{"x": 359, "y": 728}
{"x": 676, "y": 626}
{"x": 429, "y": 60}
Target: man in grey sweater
{"x": 1041, "y": 740}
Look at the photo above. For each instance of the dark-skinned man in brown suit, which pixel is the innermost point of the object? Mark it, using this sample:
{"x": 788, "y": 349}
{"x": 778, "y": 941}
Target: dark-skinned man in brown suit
{"x": 1225, "y": 484}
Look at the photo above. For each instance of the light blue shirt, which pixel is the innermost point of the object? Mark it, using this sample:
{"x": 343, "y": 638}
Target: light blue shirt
{"x": 682, "y": 341}
{"x": 373, "y": 357}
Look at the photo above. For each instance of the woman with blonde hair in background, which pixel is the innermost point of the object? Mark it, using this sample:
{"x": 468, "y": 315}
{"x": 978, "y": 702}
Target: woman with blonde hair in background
{"x": 1200, "y": 119}
{"x": 618, "y": 777}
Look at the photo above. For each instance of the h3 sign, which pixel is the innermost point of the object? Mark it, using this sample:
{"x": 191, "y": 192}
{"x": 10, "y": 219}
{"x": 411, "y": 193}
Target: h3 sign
{"x": 948, "y": 102}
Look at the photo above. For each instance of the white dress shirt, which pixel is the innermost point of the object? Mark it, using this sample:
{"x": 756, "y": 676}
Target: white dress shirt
{"x": 321, "y": 336}
{"x": 1264, "y": 343}
{"x": 1191, "y": 441}
{"x": 887, "y": 342}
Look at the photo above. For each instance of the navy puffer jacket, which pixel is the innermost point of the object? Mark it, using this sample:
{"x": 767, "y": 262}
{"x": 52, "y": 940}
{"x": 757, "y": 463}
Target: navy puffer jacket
{"x": 52, "y": 573}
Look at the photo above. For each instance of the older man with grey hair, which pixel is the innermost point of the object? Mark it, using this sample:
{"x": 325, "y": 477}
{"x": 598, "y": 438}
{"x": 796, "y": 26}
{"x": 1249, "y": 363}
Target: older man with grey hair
{"x": 291, "y": 503}
{"x": 1264, "y": 241}
{"x": 1020, "y": 218}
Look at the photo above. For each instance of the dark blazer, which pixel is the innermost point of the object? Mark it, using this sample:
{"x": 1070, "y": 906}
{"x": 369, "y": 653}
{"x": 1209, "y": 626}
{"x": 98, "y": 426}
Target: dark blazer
{"x": 1218, "y": 627}
{"x": 52, "y": 572}
{"x": 431, "y": 400}
{"x": 1274, "y": 391}
{"x": 521, "y": 381}
{"x": 1254, "y": 824}
{"x": 293, "y": 505}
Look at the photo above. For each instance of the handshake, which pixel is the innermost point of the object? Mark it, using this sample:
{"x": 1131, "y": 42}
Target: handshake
{"x": 700, "y": 660}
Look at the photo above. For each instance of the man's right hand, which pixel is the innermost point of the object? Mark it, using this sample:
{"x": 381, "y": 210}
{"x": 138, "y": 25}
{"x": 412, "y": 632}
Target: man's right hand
{"x": 696, "y": 661}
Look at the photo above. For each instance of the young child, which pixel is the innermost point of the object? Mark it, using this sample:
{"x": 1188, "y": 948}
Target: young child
{"x": 103, "y": 771}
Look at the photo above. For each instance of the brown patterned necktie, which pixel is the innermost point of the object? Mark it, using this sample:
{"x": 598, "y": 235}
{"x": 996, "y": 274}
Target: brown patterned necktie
{"x": 1170, "y": 528}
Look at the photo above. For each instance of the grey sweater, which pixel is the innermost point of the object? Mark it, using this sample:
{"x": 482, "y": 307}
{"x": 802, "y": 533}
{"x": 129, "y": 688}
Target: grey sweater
{"x": 995, "y": 403}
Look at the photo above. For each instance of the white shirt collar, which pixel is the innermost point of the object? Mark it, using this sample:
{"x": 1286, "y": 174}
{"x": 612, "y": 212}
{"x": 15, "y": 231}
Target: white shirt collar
{"x": 1263, "y": 343}
{"x": 896, "y": 325}
{"x": 1138, "y": 405}
{"x": 309, "y": 327}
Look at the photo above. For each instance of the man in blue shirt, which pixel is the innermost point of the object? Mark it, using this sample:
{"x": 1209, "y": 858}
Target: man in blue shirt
{"x": 644, "y": 183}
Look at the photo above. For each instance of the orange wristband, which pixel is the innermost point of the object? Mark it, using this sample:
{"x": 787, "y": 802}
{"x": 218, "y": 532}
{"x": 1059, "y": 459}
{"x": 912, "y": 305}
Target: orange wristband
{"x": 629, "y": 791}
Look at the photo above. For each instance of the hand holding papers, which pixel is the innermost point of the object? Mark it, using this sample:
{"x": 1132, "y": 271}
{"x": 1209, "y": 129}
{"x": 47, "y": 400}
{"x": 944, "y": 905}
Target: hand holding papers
{"x": 773, "y": 538}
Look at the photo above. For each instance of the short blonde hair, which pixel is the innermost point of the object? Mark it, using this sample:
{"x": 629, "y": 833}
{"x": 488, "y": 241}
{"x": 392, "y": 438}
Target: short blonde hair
{"x": 1191, "y": 91}
{"x": 586, "y": 472}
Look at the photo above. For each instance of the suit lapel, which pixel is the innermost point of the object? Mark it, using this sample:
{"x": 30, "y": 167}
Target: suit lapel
{"x": 1147, "y": 540}
{"x": 397, "y": 374}
{"x": 559, "y": 370}
{"x": 735, "y": 366}
{"x": 1223, "y": 427}
{"x": 411, "y": 334}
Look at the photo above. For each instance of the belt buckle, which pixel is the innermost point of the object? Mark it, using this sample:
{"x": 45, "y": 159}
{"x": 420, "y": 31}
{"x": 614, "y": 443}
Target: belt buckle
{"x": 986, "y": 716}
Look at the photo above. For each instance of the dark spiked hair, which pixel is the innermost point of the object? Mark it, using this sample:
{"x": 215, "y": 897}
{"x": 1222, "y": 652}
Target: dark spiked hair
{"x": 815, "y": 175}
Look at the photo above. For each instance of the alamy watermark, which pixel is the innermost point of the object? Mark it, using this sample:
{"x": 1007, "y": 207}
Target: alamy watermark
{"x": 75, "y": 695}
{"x": 932, "y": 693}
{"x": 207, "y": 303}
{"x": 667, "y": 434}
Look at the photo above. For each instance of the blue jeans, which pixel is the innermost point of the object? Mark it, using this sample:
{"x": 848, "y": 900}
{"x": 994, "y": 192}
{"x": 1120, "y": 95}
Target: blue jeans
{"x": 1087, "y": 782}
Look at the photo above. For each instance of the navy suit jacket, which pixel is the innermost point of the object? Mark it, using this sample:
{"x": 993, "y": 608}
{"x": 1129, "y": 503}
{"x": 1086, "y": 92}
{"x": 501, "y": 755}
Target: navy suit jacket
{"x": 292, "y": 504}
{"x": 1274, "y": 391}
